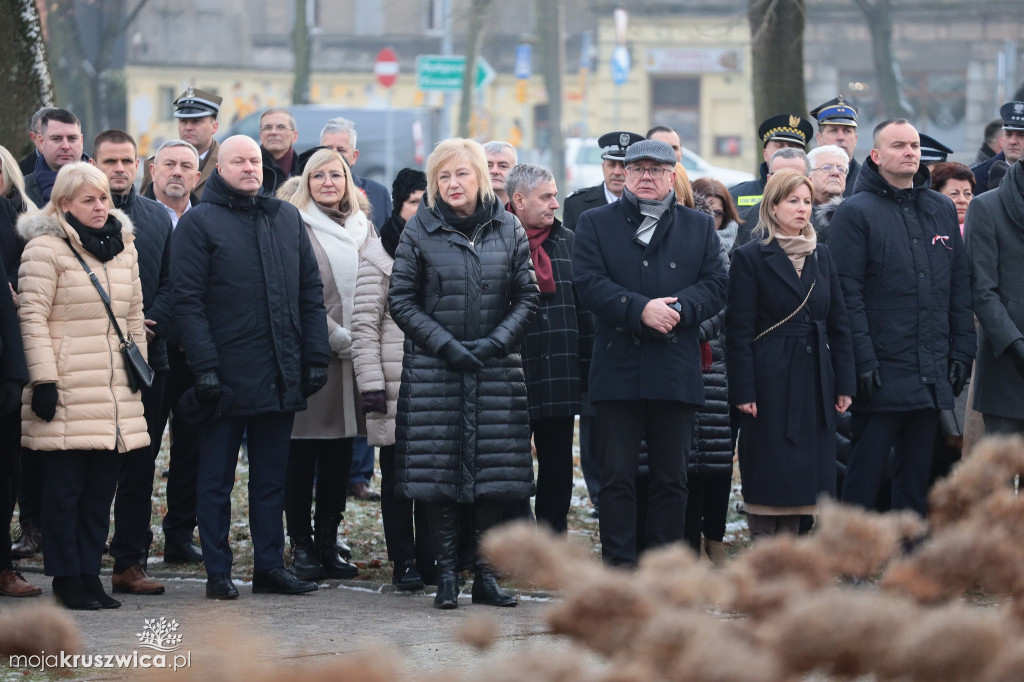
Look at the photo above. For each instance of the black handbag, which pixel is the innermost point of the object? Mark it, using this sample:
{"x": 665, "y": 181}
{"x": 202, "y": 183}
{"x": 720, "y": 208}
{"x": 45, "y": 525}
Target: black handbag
{"x": 140, "y": 374}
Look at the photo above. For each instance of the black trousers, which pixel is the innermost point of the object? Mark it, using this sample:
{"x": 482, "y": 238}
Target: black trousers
{"x": 553, "y": 439}
{"x": 707, "y": 506}
{"x": 406, "y": 529}
{"x": 180, "y": 520}
{"x": 589, "y": 464}
{"x": 911, "y": 437}
{"x": 327, "y": 460}
{"x": 269, "y": 436}
{"x": 30, "y": 488}
{"x": 667, "y": 426}
{"x": 78, "y": 487}
{"x": 1002, "y": 425}
{"x": 10, "y": 472}
{"x": 133, "y": 502}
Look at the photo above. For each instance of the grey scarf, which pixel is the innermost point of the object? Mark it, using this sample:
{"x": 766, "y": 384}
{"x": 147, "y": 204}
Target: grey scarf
{"x": 651, "y": 211}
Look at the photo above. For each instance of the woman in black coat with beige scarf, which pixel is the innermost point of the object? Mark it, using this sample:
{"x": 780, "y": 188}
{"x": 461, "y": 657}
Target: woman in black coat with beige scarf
{"x": 789, "y": 360}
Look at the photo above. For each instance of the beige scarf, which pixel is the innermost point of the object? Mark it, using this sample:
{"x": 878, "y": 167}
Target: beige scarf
{"x": 798, "y": 247}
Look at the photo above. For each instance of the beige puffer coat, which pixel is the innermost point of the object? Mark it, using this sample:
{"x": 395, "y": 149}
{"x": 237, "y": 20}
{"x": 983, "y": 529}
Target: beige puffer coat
{"x": 69, "y": 339}
{"x": 377, "y": 342}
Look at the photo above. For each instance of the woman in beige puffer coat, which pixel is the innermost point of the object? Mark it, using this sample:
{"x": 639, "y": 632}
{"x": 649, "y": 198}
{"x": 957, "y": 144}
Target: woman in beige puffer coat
{"x": 377, "y": 350}
{"x": 79, "y": 414}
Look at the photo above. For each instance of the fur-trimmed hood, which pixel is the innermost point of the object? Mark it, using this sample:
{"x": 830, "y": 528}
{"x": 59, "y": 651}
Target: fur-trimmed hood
{"x": 39, "y": 223}
{"x": 821, "y": 217}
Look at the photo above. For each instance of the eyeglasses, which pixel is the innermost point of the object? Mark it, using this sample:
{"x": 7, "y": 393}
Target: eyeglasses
{"x": 829, "y": 168}
{"x": 655, "y": 172}
{"x": 280, "y": 127}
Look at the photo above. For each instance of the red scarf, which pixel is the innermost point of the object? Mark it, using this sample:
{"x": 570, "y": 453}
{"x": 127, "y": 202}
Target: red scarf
{"x": 541, "y": 260}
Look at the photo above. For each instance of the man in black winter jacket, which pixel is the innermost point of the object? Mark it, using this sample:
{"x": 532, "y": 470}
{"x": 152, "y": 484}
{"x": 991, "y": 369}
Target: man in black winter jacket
{"x": 116, "y": 154}
{"x": 907, "y": 286}
{"x": 248, "y": 301}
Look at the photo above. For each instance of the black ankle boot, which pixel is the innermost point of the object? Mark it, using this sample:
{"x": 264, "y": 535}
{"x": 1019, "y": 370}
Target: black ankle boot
{"x": 447, "y": 596}
{"x": 71, "y": 594}
{"x": 95, "y": 589}
{"x": 487, "y": 591}
{"x": 443, "y": 521}
{"x": 306, "y": 560}
{"x": 326, "y": 541}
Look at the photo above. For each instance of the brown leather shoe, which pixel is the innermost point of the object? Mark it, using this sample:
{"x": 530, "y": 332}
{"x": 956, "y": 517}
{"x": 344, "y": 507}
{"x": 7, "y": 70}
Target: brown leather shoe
{"x": 363, "y": 491}
{"x": 28, "y": 544}
{"x": 13, "y": 585}
{"x": 133, "y": 580}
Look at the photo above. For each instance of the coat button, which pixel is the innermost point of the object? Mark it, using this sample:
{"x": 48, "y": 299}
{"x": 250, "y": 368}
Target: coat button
{"x": 906, "y": 209}
{"x": 636, "y": 342}
{"x": 543, "y": 316}
{"x": 921, "y": 275}
{"x": 924, "y": 380}
{"x": 807, "y": 317}
{"x": 645, "y": 264}
{"x": 675, "y": 339}
{"x": 700, "y": 306}
{"x": 809, "y": 350}
{"x": 622, "y": 300}
{"x": 672, "y": 265}
{"x": 915, "y": 240}
{"x": 485, "y": 285}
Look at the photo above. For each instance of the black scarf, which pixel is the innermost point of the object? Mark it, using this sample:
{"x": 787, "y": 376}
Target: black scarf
{"x": 104, "y": 243}
{"x": 469, "y": 223}
{"x": 391, "y": 232}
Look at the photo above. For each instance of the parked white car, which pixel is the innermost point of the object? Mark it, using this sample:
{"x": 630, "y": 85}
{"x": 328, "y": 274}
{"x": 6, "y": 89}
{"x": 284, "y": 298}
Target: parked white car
{"x": 583, "y": 166}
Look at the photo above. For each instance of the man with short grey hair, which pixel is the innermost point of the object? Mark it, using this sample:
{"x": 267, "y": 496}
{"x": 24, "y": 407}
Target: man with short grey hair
{"x": 278, "y": 135}
{"x": 175, "y": 172}
{"x": 501, "y": 157}
{"x": 35, "y": 132}
{"x": 830, "y": 168}
{"x": 651, "y": 271}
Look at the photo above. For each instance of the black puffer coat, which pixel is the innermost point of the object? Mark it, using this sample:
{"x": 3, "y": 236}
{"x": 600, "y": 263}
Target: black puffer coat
{"x": 462, "y": 436}
{"x": 234, "y": 259}
{"x": 711, "y": 452}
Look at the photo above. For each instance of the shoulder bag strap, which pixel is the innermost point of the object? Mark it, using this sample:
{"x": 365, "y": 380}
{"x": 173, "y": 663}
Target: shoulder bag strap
{"x": 789, "y": 317}
{"x": 99, "y": 287}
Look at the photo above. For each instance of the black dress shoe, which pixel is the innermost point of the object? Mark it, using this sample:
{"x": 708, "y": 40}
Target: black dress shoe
{"x": 182, "y": 552}
{"x": 71, "y": 594}
{"x": 344, "y": 550}
{"x": 29, "y": 543}
{"x": 406, "y": 578}
{"x": 306, "y": 560}
{"x": 94, "y": 587}
{"x": 280, "y": 581}
{"x": 487, "y": 591}
{"x": 447, "y": 596}
{"x": 219, "y": 586}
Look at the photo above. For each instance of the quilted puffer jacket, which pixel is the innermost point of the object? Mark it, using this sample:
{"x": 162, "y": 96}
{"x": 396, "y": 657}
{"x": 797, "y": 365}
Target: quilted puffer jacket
{"x": 461, "y": 436}
{"x": 69, "y": 339}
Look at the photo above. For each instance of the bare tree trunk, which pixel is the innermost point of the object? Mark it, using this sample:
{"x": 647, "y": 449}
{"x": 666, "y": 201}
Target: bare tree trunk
{"x": 777, "y": 50}
{"x": 550, "y": 26}
{"x": 474, "y": 41}
{"x": 25, "y": 78}
{"x": 879, "y": 18}
{"x": 303, "y": 54}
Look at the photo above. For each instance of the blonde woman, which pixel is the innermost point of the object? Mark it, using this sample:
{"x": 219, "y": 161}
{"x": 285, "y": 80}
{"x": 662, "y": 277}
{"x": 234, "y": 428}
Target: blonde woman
{"x": 334, "y": 212}
{"x": 789, "y": 360}
{"x": 79, "y": 413}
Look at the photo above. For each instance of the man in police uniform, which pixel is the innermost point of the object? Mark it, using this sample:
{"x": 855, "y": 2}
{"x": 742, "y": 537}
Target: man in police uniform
{"x": 1012, "y": 142}
{"x": 837, "y": 124}
{"x": 196, "y": 111}
{"x": 933, "y": 151}
{"x": 613, "y": 151}
{"x": 777, "y": 132}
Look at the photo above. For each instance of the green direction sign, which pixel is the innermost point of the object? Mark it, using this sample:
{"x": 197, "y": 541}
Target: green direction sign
{"x": 443, "y": 72}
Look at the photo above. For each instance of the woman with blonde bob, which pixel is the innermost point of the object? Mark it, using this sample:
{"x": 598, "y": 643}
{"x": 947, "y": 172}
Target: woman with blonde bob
{"x": 334, "y": 211}
{"x": 462, "y": 291}
{"x": 79, "y": 413}
{"x": 789, "y": 360}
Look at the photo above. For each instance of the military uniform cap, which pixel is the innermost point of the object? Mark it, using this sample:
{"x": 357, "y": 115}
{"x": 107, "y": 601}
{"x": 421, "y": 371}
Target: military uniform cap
{"x": 195, "y": 103}
{"x": 835, "y": 112}
{"x": 786, "y": 128}
{"x": 1012, "y": 114}
{"x": 933, "y": 151}
{"x": 613, "y": 145}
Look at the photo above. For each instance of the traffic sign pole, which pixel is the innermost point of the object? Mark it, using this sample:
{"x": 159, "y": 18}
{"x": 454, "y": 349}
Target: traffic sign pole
{"x": 386, "y": 69}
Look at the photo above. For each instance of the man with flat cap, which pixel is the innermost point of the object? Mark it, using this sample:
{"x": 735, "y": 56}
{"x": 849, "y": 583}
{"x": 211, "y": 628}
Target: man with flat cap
{"x": 652, "y": 271}
{"x": 1012, "y": 114}
{"x": 196, "y": 111}
{"x": 837, "y": 124}
{"x": 933, "y": 151}
{"x": 775, "y": 133}
{"x": 613, "y": 151}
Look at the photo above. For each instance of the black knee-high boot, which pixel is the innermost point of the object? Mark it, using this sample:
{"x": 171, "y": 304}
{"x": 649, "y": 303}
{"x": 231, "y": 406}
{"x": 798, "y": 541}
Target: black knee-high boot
{"x": 485, "y": 584}
{"x": 444, "y": 531}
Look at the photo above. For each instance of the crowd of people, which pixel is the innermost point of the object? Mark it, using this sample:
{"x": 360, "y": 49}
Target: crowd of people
{"x": 286, "y": 303}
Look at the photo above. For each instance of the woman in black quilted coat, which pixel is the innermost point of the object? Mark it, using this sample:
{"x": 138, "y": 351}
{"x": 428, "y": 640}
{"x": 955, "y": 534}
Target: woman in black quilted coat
{"x": 462, "y": 290}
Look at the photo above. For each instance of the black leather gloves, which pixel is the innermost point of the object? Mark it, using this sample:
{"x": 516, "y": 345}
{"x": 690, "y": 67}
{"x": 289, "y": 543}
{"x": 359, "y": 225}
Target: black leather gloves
{"x": 484, "y": 349}
{"x": 460, "y": 358}
{"x": 208, "y": 388}
{"x": 867, "y": 383}
{"x": 314, "y": 378}
{"x": 44, "y": 401}
{"x": 959, "y": 373}
{"x": 374, "y": 401}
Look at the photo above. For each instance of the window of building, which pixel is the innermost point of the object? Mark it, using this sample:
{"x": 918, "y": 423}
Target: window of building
{"x": 675, "y": 102}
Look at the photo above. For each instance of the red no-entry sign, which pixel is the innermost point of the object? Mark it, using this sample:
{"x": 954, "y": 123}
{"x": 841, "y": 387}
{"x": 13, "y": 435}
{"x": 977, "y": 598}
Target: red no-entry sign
{"x": 386, "y": 67}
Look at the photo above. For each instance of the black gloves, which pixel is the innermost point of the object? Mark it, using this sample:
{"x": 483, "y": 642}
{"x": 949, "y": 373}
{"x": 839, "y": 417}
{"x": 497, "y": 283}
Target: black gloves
{"x": 207, "y": 387}
{"x": 10, "y": 396}
{"x": 959, "y": 373}
{"x": 374, "y": 401}
{"x": 484, "y": 349}
{"x": 1016, "y": 353}
{"x": 867, "y": 383}
{"x": 44, "y": 401}
{"x": 459, "y": 357}
{"x": 314, "y": 377}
